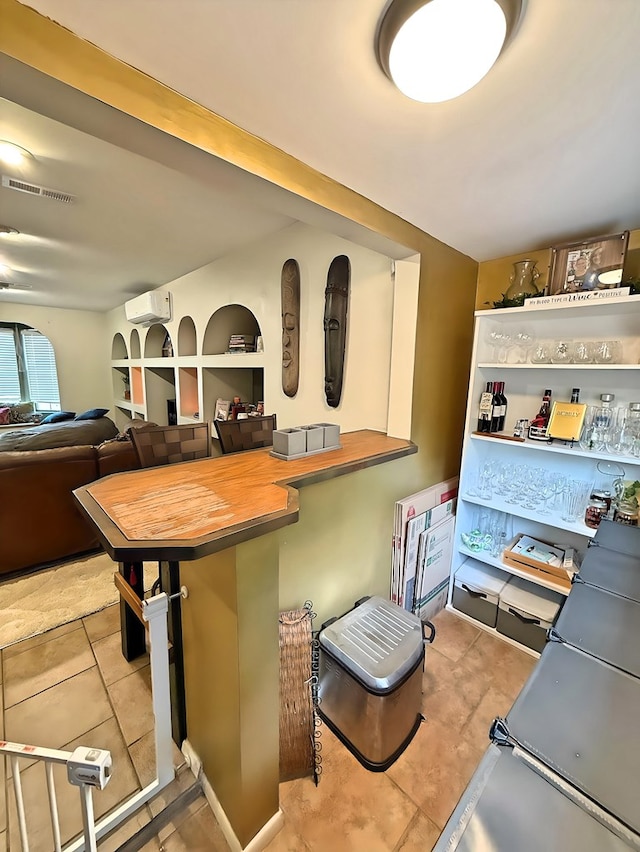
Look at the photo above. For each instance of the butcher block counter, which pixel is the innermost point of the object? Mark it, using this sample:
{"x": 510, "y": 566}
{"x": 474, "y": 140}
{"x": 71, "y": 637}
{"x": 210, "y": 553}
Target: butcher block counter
{"x": 221, "y": 527}
{"x": 188, "y": 510}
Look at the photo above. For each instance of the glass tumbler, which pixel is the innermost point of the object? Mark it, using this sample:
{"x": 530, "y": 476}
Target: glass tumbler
{"x": 574, "y": 499}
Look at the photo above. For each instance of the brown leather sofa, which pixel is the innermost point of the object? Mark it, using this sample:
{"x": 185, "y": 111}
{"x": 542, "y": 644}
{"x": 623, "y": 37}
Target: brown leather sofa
{"x": 40, "y": 522}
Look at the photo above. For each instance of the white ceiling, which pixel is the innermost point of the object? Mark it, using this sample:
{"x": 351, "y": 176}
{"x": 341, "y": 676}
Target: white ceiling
{"x": 545, "y": 149}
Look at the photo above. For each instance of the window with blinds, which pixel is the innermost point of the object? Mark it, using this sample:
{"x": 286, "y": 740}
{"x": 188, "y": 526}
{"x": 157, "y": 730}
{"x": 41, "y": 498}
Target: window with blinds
{"x": 28, "y": 368}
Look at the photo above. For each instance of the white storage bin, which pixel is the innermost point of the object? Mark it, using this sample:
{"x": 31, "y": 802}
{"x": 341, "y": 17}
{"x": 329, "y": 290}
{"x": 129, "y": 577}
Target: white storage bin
{"x": 476, "y": 590}
{"x": 526, "y": 611}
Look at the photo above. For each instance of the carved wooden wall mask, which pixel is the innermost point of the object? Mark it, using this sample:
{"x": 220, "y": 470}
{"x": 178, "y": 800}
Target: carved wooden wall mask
{"x": 336, "y": 301}
{"x": 290, "y": 304}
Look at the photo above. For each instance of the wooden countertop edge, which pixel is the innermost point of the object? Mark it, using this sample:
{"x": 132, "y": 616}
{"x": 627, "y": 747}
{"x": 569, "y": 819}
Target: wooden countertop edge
{"x": 122, "y": 549}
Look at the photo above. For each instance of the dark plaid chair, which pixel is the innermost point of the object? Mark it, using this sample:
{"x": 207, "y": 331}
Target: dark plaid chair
{"x": 159, "y": 445}
{"x": 238, "y": 435}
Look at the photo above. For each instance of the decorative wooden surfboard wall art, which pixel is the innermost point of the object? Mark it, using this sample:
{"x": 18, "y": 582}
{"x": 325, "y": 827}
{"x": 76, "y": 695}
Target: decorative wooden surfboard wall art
{"x": 290, "y": 303}
{"x": 336, "y": 302}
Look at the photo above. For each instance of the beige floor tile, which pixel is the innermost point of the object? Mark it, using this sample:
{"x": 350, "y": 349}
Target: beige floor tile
{"x": 3, "y": 841}
{"x": 125, "y": 831}
{"x": 350, "y": 809}
{"x": 111, "y": 663}
{"x": 500, "y": 664}
{"x": 122, "y": 784}
{"x": 41, "y": 638}
{"x": 454, "y": 636}
{"x": 435, "y": 769}
{"x": 183, "y": 780}
{"x": 421, "y": 836}
{"x": 494, "y": 703}
{"x": 143, "y": 755}
{"x": 131, "y": 699}
{"x": 198, "y": 833}
{"x": 36, "y": 669}
{"x": 450, "y": 693}
{"x": 61, "y": 713}
{"x": 103, "y": 623}
{"x": 287, "y": 840}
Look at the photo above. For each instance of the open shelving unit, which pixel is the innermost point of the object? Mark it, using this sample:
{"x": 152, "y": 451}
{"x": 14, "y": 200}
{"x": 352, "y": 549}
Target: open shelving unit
{"x": 618, "y": 319}
{"x": 165, "y": 372}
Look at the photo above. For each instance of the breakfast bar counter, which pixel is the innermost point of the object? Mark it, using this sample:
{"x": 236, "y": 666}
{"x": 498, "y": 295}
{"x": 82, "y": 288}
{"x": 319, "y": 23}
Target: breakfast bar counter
{"x": 189, "y": 510}
{"x": 217, "y": 526}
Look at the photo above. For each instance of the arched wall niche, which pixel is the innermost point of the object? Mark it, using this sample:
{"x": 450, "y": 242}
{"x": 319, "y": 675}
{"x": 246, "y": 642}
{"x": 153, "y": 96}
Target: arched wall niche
{"x": 155, "y": 343}
{"x": 231, "y": 319}
{"x": 134, "y": 343}
{"x": 119, "y": 348}
{"x": 187, "y": 339}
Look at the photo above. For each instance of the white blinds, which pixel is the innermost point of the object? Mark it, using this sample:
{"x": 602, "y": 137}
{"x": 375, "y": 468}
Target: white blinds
{"x": 9, "y": 377}
{"x": 42, "y": 375}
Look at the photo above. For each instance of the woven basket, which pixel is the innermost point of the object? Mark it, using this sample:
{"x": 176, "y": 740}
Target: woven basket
{"x": 297, "y": 722}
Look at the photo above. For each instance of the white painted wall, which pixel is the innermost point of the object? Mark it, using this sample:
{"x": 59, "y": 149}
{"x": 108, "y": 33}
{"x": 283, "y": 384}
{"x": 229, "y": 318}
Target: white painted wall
{"x": 251, "y": 277}
{"x": 82, "y": 347}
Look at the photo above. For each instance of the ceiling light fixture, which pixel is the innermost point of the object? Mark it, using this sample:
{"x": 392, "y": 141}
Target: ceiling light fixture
{"x": 12, "y": 154}
{"x": 435, "y": 50}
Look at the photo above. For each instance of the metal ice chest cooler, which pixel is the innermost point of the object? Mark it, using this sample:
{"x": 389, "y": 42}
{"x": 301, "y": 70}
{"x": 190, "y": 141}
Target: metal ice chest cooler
{"x": 371, "y": 664}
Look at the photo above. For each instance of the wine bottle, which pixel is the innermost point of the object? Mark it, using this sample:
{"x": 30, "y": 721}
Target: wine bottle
{"x": 496, "y": 408}
{"x": 484, "y": 410}
{"x": 541, "y": 420}
{"x": 503, "y": 408}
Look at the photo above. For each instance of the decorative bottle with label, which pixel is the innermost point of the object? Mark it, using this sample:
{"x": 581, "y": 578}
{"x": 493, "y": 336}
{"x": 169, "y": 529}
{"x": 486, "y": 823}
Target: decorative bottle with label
{"x": 485, "y": 409}
{"x": 503, "y": 407}
{"x": 496, "y": 408}
{"x": 538, "y": 427}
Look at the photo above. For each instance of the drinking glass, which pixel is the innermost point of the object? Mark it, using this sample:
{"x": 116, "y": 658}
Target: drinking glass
{"x": 522, "y": 342}
{"x": 540, "y": 353}
{"x": 574, "y": 499}
{"x": 562, "y": 352}
{"x": 607, "y": 352}
{"x": 583, "y": 352}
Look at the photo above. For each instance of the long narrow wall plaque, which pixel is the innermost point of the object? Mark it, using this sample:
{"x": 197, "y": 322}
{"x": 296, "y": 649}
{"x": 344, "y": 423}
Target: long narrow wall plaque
{"x": 290, "y": 302}
{"x": 336, "y": 301}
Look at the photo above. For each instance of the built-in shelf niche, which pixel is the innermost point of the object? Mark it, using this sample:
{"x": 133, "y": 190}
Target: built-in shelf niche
{"x": 231, "y": 319}
{"x": 134, "y": 343}
{"x": 118, "y": 376}
{"x": 137, "y": 386}
{"x": 154, "y": 343}
{"x": 187, "y": 343}
{"x": 228, "y": 382}
{"x": 188, "y": 380}
{"x": 118, "y": 348}
{"x": 160, "y": 388}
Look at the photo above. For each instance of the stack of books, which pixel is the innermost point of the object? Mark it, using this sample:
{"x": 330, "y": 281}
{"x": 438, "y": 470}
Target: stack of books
{"x": 242, "y": 343}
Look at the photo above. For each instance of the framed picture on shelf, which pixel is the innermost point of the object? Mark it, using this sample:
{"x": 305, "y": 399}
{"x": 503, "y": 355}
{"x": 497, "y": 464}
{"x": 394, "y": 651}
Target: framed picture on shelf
{"x": 594, "y": 264}
{"x": 222, "y": 409}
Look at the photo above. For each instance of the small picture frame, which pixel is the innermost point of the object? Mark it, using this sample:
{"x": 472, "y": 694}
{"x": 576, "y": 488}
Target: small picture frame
{"x": 222, "y": 409}
{"x": 593, "y": 264}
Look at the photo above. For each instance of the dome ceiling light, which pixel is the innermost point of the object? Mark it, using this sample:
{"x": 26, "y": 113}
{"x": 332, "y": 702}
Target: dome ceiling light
{"x": 13, "y": 155}
{"x": 435, "y": 50}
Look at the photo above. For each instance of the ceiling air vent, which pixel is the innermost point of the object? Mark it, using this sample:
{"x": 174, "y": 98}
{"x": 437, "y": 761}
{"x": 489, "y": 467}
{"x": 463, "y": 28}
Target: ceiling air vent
{"x": 34, "y": 189}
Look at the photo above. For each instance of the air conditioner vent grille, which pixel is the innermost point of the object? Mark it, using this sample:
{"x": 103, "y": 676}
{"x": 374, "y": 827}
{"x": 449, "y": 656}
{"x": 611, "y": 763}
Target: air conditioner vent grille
{"x": 34, "y": 189}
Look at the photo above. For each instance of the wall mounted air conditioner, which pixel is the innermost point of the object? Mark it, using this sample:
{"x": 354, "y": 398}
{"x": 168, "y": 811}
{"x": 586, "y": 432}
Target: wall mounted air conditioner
{"x": 151, "y": 307}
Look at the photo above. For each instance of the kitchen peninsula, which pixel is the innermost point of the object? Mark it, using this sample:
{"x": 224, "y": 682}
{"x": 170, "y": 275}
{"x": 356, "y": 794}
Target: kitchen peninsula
{"x": 217, "y": 522}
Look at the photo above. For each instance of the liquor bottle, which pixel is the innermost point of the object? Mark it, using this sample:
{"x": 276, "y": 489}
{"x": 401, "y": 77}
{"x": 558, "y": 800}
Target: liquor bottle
{"x": 538, "y": 427}
{"x": 575, "y": 395}
{"x": 503, "y": 411}
{"x": 496, "y": 407}
{"x": 484, "y": 410}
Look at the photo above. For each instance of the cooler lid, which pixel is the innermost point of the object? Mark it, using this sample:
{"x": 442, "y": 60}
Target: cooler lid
{"x": 481, "y": 577}
{"x": 618, "y": 537}
{"x": 378, "y": 642}
{"x": 526, "y": 597}
{"x": 612, "y": 571}
{"x": 587, "y": 620}
{"x": 508, "y": 806}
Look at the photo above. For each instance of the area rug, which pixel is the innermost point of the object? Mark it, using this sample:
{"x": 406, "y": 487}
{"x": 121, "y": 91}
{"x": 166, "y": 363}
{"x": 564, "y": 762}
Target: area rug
{"x": 30, "y": 605}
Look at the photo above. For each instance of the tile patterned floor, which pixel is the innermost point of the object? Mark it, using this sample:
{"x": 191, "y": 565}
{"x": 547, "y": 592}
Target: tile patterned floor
{"x": 45, "y": 684}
